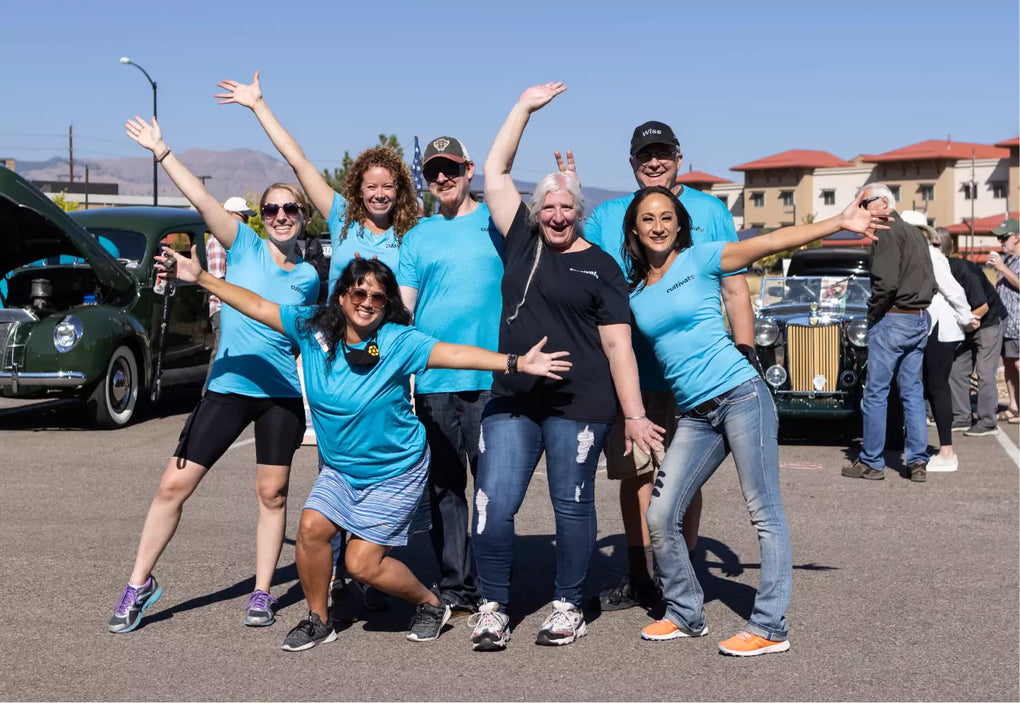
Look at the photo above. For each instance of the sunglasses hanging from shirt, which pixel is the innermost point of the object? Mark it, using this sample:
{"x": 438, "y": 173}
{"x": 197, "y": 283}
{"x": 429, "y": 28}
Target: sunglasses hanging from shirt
{"x": 364, "y": 358}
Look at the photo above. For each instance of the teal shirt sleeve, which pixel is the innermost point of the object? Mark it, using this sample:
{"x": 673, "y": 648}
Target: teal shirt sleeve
{"x": 407, "y": 266}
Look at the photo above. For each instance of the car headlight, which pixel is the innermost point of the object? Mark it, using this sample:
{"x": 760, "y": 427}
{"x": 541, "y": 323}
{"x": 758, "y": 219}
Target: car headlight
{"x": 857, "y": 332}
{"x": 766, "y": 332}
{"x": 775, "y": 376}
{"x": 66, "y": 334}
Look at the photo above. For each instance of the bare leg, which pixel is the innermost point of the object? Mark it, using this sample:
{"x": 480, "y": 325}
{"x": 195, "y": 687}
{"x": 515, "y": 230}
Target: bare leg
{"x": 1011, "y": 370}
{"x": 367, "y": 562}
{"x": 314, "y": 557}
{"x": 175, "y": 487}
{"x": 271, "y": 484}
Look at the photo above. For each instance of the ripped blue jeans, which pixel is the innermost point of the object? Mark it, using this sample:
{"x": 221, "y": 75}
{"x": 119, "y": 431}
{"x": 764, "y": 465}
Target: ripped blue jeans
{"x": 510, "y": 446}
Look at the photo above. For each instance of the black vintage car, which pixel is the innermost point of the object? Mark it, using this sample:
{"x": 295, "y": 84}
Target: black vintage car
{"x": 82, "y": 311}
{"x": 811, "y": 333}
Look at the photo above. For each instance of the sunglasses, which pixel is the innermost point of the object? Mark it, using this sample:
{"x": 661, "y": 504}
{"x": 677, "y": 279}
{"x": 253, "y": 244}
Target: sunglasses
{"x": 868, "y": 201}
{"x": 644, "y": 157}
{"x": 448, "y": 168}
{"x": 289, "y": 209}
{"x": 359, "y": 295}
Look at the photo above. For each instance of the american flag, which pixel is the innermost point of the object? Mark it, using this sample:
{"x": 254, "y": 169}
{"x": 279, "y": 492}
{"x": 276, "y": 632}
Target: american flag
{"x": 419, "y": 180}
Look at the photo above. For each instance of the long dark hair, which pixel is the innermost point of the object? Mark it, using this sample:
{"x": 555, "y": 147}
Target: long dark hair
{"x": 330, "y": 319}
{"x": 635, "y": 256}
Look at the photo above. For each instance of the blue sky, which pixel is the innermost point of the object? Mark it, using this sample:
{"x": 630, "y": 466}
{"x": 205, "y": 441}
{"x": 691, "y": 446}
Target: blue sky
{"x": 737, "y": 80}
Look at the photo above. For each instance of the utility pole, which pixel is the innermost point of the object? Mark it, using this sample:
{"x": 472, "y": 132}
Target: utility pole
{"x": 70, "y": 150}
{"x": 86, "y": 186}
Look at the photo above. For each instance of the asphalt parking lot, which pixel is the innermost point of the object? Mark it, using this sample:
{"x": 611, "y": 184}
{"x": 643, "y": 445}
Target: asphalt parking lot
{"x": 902, "y": 591}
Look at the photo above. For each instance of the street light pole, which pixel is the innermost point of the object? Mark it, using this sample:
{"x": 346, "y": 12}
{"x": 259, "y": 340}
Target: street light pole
{"x": 155, "y": 167}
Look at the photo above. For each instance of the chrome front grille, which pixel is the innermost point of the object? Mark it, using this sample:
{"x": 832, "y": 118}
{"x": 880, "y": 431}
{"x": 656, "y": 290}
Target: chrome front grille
{"x": 6, "y": 335}
{"x": 813, "y": 351}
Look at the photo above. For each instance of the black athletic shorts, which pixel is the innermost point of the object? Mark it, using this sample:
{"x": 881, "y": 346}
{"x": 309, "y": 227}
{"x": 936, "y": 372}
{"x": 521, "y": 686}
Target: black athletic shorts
{"x": 219, "y": 418}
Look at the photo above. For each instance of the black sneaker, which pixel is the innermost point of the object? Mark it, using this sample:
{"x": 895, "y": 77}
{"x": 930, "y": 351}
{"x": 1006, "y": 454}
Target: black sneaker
{"x": 132, "y": 605}
{"x": 346, "y": 600}
{"x": 979, "y": 430}
{"x": 428, "y": 621}
{"x": 307, "y": 634}
{"x": 623, "y": 596}
{"x": 918, "y": 472}
{"x": 860, "y": 470}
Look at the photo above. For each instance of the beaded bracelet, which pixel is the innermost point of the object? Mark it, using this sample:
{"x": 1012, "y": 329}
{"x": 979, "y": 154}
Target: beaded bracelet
{"x": 511, "y": 364}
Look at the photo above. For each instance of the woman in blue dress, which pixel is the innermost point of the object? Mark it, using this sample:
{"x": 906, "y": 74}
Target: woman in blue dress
{"x": 723, "y": 406}
{"x": 358, "y": 353}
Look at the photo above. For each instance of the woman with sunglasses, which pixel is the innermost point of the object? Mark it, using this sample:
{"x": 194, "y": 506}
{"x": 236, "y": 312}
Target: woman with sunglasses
{"x": 377, "y": 205}
{"x": 723, "y": 406}
{"x": 358, "y": 354}
{"x": 254, "y": 379}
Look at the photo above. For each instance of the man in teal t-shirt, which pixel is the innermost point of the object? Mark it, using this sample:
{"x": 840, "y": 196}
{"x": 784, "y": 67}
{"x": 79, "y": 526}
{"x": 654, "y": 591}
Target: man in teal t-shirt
{"x": 449, "y": 274}
{"x": 655, "y": 158}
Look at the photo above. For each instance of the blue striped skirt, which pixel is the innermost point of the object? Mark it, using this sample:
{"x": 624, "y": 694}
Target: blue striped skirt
{"x": 383, "y": 513}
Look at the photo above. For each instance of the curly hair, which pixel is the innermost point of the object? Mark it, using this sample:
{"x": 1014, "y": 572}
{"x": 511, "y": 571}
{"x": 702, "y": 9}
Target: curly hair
{"x": 633, "y": 251}
{"x": 330, "y": 319}
{"x": 404, "y": 214}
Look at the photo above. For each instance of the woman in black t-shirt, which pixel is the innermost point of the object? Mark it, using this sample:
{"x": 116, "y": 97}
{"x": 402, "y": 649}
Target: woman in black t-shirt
{"x": 561, "y": 286}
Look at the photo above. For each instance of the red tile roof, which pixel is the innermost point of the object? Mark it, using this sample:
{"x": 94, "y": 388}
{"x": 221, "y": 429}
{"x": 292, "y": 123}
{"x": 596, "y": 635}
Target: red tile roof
{"x": 1015, "y": 141}
{"x": 794, "y": 158}
{"x": 982, "y": 225}
{"x": 940, "y": 149}
{"x": 692, "y": 177}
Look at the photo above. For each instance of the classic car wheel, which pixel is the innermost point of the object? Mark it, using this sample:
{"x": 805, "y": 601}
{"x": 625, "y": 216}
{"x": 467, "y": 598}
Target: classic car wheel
{"x": 113, "y": 402}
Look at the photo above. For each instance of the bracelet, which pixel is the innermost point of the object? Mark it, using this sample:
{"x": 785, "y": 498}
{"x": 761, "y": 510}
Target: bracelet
{"x": 638, "y": 417}
{"x": 511, "y": 364}
{"x": 165, "y": 154}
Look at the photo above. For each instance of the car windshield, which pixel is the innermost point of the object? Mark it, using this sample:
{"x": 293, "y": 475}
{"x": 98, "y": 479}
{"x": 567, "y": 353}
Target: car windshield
{"x": 828, "y": 292}
{"x": 126, "y": 245}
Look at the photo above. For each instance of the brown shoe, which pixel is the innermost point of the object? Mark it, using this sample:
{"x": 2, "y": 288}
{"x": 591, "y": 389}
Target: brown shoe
{"x": 918, "y": 472}
{"x": 859, "y": 470}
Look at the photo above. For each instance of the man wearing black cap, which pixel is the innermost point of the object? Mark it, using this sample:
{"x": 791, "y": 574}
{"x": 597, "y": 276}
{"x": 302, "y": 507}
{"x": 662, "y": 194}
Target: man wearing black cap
{"x": 449, "y": 274}
{"x": 655, "y": 158}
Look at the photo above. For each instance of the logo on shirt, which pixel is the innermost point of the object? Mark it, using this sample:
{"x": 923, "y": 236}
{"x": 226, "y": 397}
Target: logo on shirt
{"x": 680, "y": 283}
{"x": 593, "y": 274}
{"x": 697, "y": 229}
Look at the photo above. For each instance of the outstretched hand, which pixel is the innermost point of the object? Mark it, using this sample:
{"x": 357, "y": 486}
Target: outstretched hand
{"x": 143, "y": 133}
{"x": 567, "y": 167}
{"x": 860, "y": 220}
{"x": 538, "y": 96}
{"x": 240, "y": 93}
{"x": 176, "y": 265}
{"x": 538, "y": 363}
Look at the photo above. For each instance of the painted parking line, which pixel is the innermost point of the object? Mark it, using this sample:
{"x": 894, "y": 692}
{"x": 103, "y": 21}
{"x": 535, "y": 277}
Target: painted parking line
{"x": 800, "y": 465}
{"x": 1011, "y": 449}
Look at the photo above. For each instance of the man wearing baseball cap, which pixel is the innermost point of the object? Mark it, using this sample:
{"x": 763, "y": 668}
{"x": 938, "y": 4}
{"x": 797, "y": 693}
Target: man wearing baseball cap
{"x": 449, "y": 274}
{"x": 1007, "y": 264}
{"x": 655, "y": 158}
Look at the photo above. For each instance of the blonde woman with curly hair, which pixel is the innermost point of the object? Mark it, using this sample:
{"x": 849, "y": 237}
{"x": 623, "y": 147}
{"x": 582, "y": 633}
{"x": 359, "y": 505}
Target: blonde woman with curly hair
{"x": 377, "y": 205}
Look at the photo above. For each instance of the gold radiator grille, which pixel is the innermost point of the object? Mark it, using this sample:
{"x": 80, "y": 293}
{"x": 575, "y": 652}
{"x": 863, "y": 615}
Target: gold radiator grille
{"x": 812, "y": 351}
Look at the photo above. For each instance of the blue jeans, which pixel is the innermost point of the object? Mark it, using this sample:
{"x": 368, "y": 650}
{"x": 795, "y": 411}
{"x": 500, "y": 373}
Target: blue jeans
{"x": 511, "y": 445}
{"x": 895, "y": 349}
{"x": 452, "y": 424}
{"x": 745, "y": 424}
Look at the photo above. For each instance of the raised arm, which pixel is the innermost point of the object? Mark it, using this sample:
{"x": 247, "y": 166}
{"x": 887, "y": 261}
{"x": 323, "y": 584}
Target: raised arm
{"x": 241, "y": 299}
{"x": 221, "y": 223}
{"x": 738, "y": 255}
{"x": 619, "y": 352}
{"x": 535, "y": 362}
{"x": 250, "y": 95}
{"x": 501, "y": 195}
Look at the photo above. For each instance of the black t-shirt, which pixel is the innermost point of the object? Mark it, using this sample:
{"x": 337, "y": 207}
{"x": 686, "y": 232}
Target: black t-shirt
{"x": 570, "y": 296}
{"x": 979, "y": 290}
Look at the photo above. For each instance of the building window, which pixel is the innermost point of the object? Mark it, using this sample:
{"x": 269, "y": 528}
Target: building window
{"x": 999, "y": 190}
{"x": 786, "y": 196}
{"x": 969, "y": 191}
{"x": 758, "y": 199}
{"x": 895, "y": 190}
{"x": 725, "y": 199}
{"x": 927, "y": 192}
{"x": 828, "y": 197}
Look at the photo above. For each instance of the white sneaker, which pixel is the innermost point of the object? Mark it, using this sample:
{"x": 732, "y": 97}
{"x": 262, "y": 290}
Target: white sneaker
{"x": 564, "y": 625}
{"x": 939, "y": 464}
{"x": 491, "y": 628}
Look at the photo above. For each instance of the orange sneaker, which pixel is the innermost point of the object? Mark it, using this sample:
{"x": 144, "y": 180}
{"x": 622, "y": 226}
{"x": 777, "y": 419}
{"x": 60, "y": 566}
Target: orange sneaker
{"x": 668, "y": 630}
{"x": 744, "y": 644}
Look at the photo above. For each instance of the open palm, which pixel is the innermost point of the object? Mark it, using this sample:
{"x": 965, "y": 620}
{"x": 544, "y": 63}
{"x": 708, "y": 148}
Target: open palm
{"x": 143, "y": 133}
{"x": 538, "y": 96}
{"x": 240, "y": 93}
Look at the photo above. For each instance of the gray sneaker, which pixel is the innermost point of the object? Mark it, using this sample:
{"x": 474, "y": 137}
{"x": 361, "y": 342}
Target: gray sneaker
{"x": 133, "y": 604}
{"x": 979, "y": 430}
{"x": 564, "y": 625}
{"x": 308, "y": 633}
{"x": 428, "y": 621}
{"x": 258, "y": 611}
{"x": 491, "y": 628}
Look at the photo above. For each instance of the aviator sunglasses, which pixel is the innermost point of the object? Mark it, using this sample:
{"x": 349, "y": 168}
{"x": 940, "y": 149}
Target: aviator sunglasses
{"x": 269, "y": 210}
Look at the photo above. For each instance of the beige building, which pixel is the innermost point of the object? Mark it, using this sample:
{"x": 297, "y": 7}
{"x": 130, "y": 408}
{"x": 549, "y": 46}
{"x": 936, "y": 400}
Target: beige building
{"x": 1013, "y": 193}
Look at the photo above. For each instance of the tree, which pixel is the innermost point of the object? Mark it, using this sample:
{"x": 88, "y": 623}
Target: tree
{"x": 64, "y": 204}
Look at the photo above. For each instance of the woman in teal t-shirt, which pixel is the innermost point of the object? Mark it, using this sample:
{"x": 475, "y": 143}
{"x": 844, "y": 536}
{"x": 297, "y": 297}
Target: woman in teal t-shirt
{"x": 722, "y": 405}
{"x": 359, "y": 353}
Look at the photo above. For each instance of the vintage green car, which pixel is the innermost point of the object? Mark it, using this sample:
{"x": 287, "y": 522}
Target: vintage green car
{"x": 83, "y": 313}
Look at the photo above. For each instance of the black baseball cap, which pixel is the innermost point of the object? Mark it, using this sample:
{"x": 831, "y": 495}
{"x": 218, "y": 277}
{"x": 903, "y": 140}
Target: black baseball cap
{"x": 446, "y": 148}
{"x": 652, "y": 133}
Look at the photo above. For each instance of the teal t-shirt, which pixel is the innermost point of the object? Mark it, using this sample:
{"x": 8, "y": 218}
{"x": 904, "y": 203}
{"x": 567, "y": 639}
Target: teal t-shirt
{"x": 252, "y": 359}
{"x": 710, "y": 222}
{"x": 357, "y": 239}
{"x": 456, "y": 266}
{"x": 362, "y": 415}
{"x": 680, "y": 313}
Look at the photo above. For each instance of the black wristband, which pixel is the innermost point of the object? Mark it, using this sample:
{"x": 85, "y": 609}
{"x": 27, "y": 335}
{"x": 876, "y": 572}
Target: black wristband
{"x": 511, "y": 364}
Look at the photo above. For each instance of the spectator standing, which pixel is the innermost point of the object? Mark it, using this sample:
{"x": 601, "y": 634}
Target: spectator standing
{"x": 449, "y": 275}
{"x": 1007, "y": 264}
{"x": 902, "y": 287}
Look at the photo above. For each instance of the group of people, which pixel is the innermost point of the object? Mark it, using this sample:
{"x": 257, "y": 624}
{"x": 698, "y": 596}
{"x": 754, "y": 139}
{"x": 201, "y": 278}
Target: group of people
{"x": 934, "y": 322}
{"x": 641, "y": 367}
